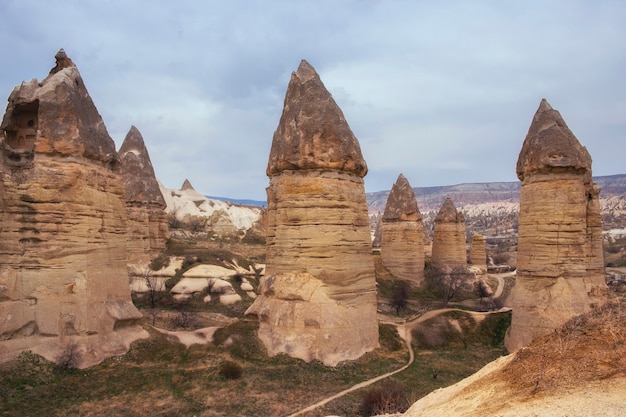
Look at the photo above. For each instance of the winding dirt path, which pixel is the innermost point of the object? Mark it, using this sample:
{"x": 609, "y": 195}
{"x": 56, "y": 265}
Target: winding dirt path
{"x": 404, "y": 330}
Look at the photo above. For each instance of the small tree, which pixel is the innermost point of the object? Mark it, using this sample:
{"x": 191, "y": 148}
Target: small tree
{"x": 389, "y": 398}
{"x": 399, "y": 295}
{"x": 155, "y": 287}
{"x": 445, "y": 282}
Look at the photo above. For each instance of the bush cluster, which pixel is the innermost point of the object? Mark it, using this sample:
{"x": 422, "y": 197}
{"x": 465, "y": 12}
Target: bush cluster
{"x": 230, "y": 370}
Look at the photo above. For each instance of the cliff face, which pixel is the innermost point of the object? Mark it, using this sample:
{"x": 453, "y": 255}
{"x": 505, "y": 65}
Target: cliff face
{"x": 318, "y": 297}
{"x": 145, "y": 206}
{"x": 63, "y": 280}
{"x": 560, "y": 269}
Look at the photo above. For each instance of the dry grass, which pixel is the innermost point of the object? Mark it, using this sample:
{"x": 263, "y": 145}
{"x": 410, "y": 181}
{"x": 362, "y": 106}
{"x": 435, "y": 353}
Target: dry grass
{"x": 589, "y": 347}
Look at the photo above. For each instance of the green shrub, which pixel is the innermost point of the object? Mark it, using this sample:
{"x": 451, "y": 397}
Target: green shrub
{"x": 230, "y": 370}
{"x": 388, "y": 398}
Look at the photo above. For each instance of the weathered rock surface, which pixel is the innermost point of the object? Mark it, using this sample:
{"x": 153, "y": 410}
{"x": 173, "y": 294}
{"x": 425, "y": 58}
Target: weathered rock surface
{"x": 449, "y": 247}
{"x": 560, "y": 269}
{"x": 478, "y": 252}
{"x": 145, "y": 206}
{"x": 318, "y": 297}
{"x": 63, "y": 280}
{"x": 402, "y": 234}
{"x": 216, "y": 218}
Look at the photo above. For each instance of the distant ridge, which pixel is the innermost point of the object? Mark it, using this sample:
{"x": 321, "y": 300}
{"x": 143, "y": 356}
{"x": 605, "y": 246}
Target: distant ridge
{"x": 256, "y": 203}
{"x": 430, "y": 198}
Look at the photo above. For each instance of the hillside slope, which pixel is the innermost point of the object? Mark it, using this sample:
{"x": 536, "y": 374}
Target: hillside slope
{"x": 579, "y": 370}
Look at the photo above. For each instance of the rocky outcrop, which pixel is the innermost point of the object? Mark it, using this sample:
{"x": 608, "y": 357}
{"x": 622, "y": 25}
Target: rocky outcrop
{"x": 449, "y": 248}
{"x": 318, "y": 297}
{"x": 63, "y": 281}
{"x": 478, "y": 252}
{"x": 560, "y": 269}
{"x": 145, "y": 206}
{"x": 402, "y": 234}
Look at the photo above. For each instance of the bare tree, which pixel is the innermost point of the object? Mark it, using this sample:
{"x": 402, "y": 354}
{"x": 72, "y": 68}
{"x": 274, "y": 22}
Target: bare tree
{"x": 399, "y": 295}
{"x": 154, "y": 285}
{"x": 445, "y": 282}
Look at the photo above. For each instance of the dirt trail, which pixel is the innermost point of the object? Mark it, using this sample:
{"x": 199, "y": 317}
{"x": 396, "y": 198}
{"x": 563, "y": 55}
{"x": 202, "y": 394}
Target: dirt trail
{"x": 404, "y": 330}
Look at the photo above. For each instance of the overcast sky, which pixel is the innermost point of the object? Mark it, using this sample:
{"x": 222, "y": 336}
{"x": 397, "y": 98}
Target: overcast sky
{"x": 443, "y": 91}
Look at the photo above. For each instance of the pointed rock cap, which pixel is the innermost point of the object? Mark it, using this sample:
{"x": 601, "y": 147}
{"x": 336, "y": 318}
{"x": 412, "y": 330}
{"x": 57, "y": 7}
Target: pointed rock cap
{"x": 64, "y": 119}
{"x": 550, "y": 146}
{"x": 140, "y": 182}
{"x": 187, "y": 186}
{"x": 449, "y": 214}
{"x": 62, "y": 61}
{"x": 401, "y": 203}
{"x": 313, "y": 132}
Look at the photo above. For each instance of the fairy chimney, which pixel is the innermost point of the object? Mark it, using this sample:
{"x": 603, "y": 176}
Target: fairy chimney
{"x": 402, "y": 234}
{"x": 560, "y": 269}
{"x": 318, "y": 296}
{"x": 63, "y": 279}
{"x": 478, "y": 252}
{"x": 449, "y": 248}
{"x": 145, "y": 206}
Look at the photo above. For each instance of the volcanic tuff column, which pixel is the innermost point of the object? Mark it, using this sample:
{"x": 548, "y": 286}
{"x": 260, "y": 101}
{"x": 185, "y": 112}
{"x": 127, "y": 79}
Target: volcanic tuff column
{"x": 478, "y": 252}
{"x": 560, "y": 269}
{"x": 402, "y": 242}
{"x": 147, "y": 221}
{"x": 63, "y": 279}
{"x": 449, "y": 248}
{"x": 318, "y": 297}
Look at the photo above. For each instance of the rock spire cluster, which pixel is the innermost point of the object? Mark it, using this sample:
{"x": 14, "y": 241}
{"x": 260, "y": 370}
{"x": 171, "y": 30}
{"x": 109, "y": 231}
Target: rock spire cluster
{"x": 145, "y": 206}
{"x": 449, "y": 245}
{"x": 318, "y": 297}
{"x": 560, "y": 267}
{"x": 402, "y": 234}
{"x": 63, "y": 279}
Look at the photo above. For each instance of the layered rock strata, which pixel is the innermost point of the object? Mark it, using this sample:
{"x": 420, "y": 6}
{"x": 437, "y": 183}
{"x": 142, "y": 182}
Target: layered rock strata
{"x": 63, "y": 281}
{"x": 560, "y": 269}
{"x": 449, "y": 243}
{"x": 402, "y": 234}
{"x": 478, "y": 252}
{"x": 145, "y": 206}
{"x": 318, "y": 297}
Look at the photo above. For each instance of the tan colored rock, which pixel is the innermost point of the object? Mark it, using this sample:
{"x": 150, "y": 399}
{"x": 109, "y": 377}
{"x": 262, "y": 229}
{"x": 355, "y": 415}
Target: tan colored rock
{"x": 318, "y": 297}
{"x": 63, "y": 280}
{"x": 145, "y": 206}
{"x": 478, "y": 252}
{"x": 560, "y": 269}
{"x": 449, "y": 246}
{"x": 402, "y": 234}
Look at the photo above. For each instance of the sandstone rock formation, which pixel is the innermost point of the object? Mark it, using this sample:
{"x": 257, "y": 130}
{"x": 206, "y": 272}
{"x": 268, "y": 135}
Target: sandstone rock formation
{"x": 478, "y": 252}
{"x": 318, "y": 297}
{"x": 145, "y": 207}
{"x": 560, "y": 269}
{"x": 402, "y": 234}
{"x": 449, "y": 248}
{"x": 63, "y": 280}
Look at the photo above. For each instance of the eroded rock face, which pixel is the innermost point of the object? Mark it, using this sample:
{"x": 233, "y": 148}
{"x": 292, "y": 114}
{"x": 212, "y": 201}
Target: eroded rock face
{"x": 560, "y": 269}
{"x": 449, "y": 248}
{"x": 63, "y": 280}
{"x": 318, "y": 297}
{"x": 145, "y": 206}
{"x": 402, "y": 234}
{"x": 478, "y": 252}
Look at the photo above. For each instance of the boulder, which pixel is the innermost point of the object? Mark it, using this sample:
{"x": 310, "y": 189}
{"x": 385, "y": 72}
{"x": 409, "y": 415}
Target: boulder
{"x": 449, "y": 247}
{"x": 145, "y": 206}
{"x": 402, "y": 234}
{"x": 319, "y": 291}
{"x": 560, "y": 270}
{"x": 63, "y": 279}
